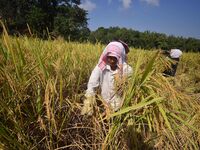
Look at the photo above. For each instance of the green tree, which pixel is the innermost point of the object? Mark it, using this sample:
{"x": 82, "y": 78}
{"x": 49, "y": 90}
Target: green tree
{"x": 145, "y": 40}
{"x": 70, "y": 22}
{"x": 63, "y": 17}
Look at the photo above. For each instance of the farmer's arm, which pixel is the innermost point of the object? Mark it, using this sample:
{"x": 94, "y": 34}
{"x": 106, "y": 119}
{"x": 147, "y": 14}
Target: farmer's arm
{"x": 90, "y": 92}
{"x": 93, "y": 81}
{"x": 165, "y": 52}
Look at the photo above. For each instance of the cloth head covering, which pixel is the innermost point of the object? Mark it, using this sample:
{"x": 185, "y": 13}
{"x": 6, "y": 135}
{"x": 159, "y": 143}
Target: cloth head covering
{"x": 125, "y": 46}
{"x": 113, "y": 54}
{"x": 114, "y": 50}
{"x": 175, "y": 53}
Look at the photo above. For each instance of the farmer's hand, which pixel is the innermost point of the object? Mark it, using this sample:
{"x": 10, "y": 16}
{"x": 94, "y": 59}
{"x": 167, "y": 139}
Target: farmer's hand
{"x": 88, "y": 106}
{"x": 165, "y": 52}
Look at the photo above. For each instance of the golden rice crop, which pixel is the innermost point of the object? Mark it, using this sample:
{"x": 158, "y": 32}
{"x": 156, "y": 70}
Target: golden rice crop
{"x": 42, "y": 86}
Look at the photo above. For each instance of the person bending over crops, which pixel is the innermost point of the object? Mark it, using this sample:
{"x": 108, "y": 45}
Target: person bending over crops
{"x": 174, "y": 55}
{"x": 111, "y": 70}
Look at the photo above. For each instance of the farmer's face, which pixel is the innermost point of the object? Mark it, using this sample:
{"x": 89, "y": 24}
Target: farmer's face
{"x": 112, "y": 61}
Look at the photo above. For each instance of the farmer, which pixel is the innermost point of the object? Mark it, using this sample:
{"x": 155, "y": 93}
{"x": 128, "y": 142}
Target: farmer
{"x": 174, "y": 55}
{"x": 110, "y": 70}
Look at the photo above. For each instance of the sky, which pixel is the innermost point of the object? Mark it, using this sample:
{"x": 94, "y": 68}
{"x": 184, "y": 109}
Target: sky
{"x": 171, "y": 17}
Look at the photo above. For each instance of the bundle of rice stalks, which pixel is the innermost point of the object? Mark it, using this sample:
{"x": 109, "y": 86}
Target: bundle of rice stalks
{"x": 42, "y": 85}
{"x": 155, "y": 114}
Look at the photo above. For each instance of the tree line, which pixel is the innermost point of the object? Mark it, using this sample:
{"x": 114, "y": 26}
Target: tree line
{"x": 145, "y": 40}
{"x": 64, "y": 18}
{"x": 45, "y": 18}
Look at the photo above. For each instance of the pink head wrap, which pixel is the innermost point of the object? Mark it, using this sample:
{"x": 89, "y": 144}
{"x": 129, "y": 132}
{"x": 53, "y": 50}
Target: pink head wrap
{"x": 111, "y": 50}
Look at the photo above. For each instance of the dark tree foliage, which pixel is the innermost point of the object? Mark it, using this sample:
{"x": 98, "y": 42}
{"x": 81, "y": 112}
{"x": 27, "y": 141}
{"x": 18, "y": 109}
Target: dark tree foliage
{"x": 70, "y": 22}
{"x": 58, "y": 17}
{"x": 13, "y": 13}
{"x": 145, "y": 40}
{"x": 53, "y": 18}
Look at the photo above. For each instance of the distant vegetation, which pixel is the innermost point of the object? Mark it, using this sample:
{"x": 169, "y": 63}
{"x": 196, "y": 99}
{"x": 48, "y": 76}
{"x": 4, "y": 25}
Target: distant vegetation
{"x": 64, "y": 18}
{"x": 145, "y": 40}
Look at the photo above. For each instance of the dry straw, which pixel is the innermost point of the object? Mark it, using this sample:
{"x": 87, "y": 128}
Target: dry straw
{"x": 42, "y": 86}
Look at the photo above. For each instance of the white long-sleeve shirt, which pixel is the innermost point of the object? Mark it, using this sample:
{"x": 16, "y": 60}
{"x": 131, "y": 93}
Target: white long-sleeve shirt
{"x": 105, "y": 79}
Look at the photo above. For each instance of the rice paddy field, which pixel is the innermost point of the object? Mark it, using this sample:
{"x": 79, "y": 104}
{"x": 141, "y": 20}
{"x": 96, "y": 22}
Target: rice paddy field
{"x": 42, "y": 86}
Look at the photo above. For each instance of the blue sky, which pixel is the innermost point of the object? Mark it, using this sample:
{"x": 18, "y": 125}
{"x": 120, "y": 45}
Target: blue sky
{"x": 172, "y": 17}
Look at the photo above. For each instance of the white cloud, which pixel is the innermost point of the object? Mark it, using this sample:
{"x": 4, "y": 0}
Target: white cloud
{"x": 152, "y": 2}
{"x": 126, "y": 3}
{"x": 88, "y": 5}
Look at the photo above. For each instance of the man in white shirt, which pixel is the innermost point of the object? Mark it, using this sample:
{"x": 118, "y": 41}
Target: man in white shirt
{"x": 111, "y": 68}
